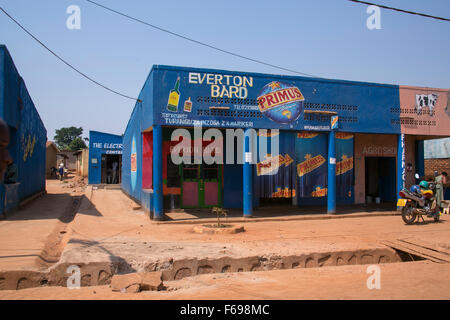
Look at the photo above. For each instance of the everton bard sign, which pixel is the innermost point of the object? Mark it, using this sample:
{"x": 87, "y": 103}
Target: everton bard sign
{"x": 226, "y": 99}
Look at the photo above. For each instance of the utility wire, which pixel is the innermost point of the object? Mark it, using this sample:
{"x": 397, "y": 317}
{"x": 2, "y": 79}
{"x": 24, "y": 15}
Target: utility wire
{"x": 400, "y": 10}
{"x": 65, "y": 62}
{"x": 199, "y": 42}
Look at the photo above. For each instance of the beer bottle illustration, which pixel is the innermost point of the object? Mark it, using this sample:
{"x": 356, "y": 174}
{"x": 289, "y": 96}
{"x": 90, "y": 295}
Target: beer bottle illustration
{"x": 174, "y": 97}
{"x": 188, "y": 105}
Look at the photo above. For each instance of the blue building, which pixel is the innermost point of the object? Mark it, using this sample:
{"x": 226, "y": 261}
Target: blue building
{"x": 301, "y": 140}
{"x": 28, "y": 136}
{"x": 105, "y": 158}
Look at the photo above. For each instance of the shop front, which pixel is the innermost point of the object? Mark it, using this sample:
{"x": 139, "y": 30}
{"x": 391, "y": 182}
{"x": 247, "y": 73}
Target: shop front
{"x": 105, "y": 158}
{"x": 201, "y": 138}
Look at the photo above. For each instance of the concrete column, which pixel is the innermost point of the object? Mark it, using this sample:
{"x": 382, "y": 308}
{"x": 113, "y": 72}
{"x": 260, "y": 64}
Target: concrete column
{"x": 400, "y": 164}
{"x": 158, "y": 213}
{"x": 331, "y": 194}
{"x": 247, "y": 176}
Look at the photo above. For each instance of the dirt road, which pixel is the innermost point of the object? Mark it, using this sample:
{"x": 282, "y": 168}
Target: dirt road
{"x": 108, "y": 229}
{"x": 408, "y": 280}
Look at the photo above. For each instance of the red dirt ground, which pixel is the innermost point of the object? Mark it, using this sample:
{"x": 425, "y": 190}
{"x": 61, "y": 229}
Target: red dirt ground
{"x": 107, "y": 217}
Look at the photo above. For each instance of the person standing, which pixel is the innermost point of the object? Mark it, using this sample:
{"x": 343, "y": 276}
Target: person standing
{"x": 440, "y": 181}
{"x": 114, "y": 171}
{"x": 61, "y": 171}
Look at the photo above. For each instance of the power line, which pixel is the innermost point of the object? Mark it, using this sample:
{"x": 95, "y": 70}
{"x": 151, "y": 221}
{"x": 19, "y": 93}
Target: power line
{"x": 65, "y": 62}
{"x": 400, "y": 10}
{"x": 199, "y": 42}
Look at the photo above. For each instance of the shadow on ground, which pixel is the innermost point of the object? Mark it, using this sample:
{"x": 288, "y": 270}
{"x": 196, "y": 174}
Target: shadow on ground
{"x": 121, "y": 264}
{"x": 275, "y": 211}
{"x": 62, "y": 206}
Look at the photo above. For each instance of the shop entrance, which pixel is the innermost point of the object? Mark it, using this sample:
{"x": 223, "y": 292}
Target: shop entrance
{"x": 111, "y": 164}
{"x": 380, "y": 179}
{"x": 201, "y": 185}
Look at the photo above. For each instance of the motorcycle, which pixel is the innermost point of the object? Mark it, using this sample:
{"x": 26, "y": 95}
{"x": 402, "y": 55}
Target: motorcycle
{"x": 418, "y": 202}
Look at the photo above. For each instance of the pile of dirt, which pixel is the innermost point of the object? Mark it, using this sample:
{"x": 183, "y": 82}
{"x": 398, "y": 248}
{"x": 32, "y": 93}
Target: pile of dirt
{"x": 77, "y": 184}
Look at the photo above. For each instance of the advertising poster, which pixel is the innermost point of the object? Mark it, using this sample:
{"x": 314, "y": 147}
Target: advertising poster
{"x": 311, "y": 167}
{"x": 275, "y": 174}
{"x": 344, "y": 165}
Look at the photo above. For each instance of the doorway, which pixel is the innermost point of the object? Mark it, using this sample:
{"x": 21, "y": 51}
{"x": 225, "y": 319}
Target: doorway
{"x": 380, "y": 178}
{"x": 201, "y": 185}
{"x": 111, "y": 164}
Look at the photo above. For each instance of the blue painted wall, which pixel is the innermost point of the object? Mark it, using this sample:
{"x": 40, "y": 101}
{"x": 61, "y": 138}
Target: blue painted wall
{"x": 362, "y": 107}
{"x": 31, "y": 140}
{"x": 101, "y": 143}
{"x": 141, "y": 119}
{"x": 28, "y": 134}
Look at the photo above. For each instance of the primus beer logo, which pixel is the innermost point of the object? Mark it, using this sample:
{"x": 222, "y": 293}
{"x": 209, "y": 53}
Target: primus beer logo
{"x": 283, "y": 193}
{"x": 309, "y": 164}
{"x": 306, "y": 135}
{"x": 345, "y": 165}
{"x": 319, "y": 192}
{"x": 281, "y": 102}
{"x": 271, "y": 164}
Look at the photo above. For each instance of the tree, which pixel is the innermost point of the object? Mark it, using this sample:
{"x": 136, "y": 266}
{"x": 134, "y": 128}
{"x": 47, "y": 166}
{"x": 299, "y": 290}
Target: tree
{"x": 77, "y": 144}
{"x": 70, "y": 138}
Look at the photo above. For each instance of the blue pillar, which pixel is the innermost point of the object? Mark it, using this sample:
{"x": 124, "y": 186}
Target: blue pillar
{"x": 331, "y": 194}
{"x": 247, "y": 176}
{"x": 158, "y": 213}
{"x": 400, "y": 164}
{"x": 420, "y": 158}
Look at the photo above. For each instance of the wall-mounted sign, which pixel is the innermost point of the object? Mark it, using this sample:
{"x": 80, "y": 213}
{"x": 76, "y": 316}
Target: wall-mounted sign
{"x": 133, "y": 163}
{"x": 334, "y": 122}
{"x": 106, "y": 145}
{"x": 113, "y": 151}
{"x": 426, "y": 101}
{"x": 379, "y": 151}
{"x": 223, "y": 85}
{"x": 281, "y": 102}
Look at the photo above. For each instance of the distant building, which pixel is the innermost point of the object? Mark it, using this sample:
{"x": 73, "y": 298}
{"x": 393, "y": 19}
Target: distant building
{"x": 28, "y": 136}
{"x": 82, "y": 162}
{"x": 70, "y": 160}
{"x": 437, "y": 158}
{"x": 62, "y": 158}
{"x": 51, "y": 152}
{"x": 105, "y": 158}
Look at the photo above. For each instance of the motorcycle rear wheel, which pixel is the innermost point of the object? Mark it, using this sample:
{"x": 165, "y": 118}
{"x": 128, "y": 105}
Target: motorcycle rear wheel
{"x": 408, "y": 214}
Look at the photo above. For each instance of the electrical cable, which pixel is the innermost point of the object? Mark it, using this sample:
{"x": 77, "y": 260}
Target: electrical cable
{"x": 199, "y": 42}
{"x": 400, "y": 10}
{"x": 65, "y": 62}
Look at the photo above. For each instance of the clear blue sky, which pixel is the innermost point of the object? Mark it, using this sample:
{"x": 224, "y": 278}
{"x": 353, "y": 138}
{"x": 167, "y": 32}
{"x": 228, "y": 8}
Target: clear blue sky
{"x": 327, "y": 38}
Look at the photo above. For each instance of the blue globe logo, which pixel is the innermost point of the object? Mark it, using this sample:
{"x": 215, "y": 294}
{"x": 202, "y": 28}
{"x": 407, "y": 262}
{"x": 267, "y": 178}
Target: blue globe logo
{"x": 281, "y": 102}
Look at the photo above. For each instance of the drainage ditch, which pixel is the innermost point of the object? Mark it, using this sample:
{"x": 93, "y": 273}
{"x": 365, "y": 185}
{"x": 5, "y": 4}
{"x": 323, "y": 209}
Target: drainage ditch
{"x": 100, "y": 273}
